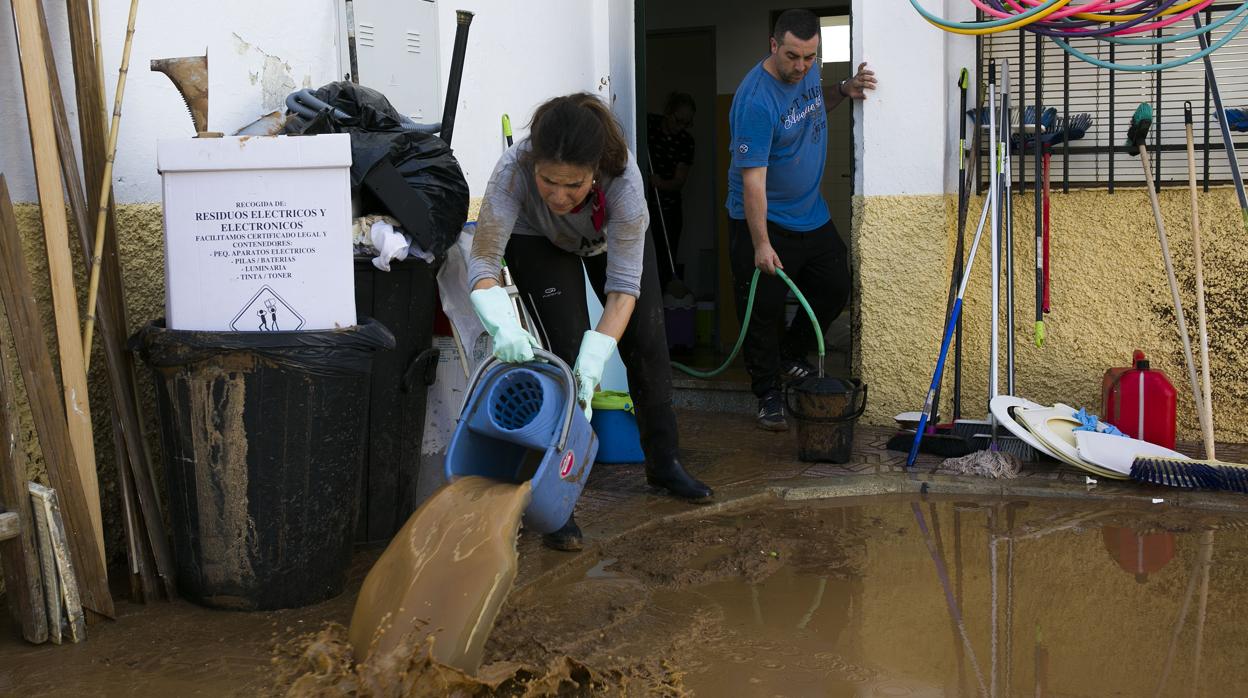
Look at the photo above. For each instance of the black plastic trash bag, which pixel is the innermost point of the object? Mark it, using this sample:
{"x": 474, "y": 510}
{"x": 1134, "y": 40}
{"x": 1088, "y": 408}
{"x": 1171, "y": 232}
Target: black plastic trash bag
{"x": 410, "y": 175}
{"x": 326, "y": 353}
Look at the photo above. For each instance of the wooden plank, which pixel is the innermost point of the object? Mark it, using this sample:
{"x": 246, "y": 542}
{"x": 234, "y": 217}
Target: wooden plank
{"x": 70, "y": 601}
{"x": 60, "y": 265}
{"x": 20, "y": 556}
{"x": 10, "y": 527}
{"x": 47, "y": 410}
{"x": 91, "y": 127}
{"x": 47, "y": 567}
{"x": 131, "y": 447}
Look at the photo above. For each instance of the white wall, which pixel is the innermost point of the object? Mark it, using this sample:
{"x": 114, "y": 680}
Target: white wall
{"x": 900, "y": 148}
{"x": 519, "y": 54}
{"x": 256, "y": 55}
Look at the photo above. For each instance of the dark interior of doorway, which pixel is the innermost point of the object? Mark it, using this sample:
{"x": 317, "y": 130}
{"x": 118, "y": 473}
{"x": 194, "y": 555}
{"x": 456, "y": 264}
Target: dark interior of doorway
{"x": 702, "y": 253}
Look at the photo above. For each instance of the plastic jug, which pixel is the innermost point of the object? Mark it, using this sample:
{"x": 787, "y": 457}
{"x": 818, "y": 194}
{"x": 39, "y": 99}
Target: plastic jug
{"x": 1140, "y": 401}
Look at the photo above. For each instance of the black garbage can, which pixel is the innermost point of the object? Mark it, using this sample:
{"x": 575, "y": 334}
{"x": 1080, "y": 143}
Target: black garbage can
{"x": 262, "y": 436}
{"x": 403, "y": 300}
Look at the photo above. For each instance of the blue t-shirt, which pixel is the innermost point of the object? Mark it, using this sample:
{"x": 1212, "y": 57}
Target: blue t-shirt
{"x": 784, "y": 128}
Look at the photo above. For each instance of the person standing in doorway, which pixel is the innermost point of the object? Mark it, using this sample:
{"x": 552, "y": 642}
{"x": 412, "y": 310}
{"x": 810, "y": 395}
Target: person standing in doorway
{"x": 778, "y": 218}
{"x": 671, "y": 156}
{"x": 565, "y": 203}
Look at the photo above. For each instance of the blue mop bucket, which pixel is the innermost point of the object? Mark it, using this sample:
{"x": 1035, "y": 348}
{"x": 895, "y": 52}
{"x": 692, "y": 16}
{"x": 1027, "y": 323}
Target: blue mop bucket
{"x": 522, "y": 423}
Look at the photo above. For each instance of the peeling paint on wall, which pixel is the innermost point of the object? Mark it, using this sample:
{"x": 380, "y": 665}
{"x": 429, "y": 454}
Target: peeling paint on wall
{"x": 274, "y": 75}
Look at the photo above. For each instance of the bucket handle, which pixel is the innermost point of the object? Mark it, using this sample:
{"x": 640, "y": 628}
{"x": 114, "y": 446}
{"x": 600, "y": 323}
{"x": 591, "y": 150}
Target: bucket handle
{"x": 569, "y": 384}
{"x": 860, "y": 389}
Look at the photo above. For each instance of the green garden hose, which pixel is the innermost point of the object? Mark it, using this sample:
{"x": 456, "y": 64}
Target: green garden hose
{"x": 749, "y": 308}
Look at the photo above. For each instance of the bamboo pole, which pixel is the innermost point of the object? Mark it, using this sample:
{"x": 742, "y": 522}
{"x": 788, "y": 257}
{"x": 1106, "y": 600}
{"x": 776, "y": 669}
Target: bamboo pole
{"x": 60, "y": 265}
{"x": 97, "y": 255}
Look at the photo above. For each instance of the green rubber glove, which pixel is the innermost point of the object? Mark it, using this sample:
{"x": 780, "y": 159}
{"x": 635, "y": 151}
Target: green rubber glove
{"x": 596, "y": 348}
{"x": 511, "y": 342}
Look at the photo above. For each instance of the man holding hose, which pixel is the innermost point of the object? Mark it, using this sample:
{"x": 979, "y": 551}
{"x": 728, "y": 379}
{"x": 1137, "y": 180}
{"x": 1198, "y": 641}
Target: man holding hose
{"x": 778, "y": 144}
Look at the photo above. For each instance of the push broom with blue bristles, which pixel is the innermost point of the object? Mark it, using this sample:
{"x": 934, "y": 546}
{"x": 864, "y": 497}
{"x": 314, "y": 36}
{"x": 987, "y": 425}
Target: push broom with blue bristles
{"x": 1209, "y": 474}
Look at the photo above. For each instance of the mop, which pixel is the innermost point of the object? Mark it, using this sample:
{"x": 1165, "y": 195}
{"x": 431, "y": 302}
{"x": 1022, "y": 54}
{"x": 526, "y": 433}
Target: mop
{"x": 981, "y": 431}
{"x": 955, "y": 314}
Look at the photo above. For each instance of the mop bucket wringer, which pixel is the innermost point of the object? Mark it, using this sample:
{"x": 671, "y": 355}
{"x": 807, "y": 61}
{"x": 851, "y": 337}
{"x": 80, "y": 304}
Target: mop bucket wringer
{"x": 521, "y": 422}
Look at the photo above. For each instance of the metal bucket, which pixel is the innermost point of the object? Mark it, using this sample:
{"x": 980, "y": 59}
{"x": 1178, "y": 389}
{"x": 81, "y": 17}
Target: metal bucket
{"x": 825, "y": 409}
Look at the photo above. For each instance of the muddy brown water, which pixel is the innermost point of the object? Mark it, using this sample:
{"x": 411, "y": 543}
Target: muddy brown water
{"x": 445, "y": 574}
{"x": 866, "y": 597}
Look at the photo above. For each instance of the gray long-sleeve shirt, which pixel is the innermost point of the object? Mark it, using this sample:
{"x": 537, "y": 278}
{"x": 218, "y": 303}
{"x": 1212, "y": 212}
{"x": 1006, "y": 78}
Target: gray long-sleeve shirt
{"x": 513, "y": 205}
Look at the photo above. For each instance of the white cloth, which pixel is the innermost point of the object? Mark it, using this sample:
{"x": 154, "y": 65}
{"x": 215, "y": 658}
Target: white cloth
{"x": 389, "y": 243}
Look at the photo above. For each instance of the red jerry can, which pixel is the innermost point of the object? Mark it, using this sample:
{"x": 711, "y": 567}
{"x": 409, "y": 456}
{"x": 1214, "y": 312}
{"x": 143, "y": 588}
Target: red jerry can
{"x": 1140, "y": 401}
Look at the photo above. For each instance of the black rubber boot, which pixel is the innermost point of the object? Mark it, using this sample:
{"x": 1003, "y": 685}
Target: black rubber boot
{"x": 669, "y": 474}
{"x": 568, "y": 538}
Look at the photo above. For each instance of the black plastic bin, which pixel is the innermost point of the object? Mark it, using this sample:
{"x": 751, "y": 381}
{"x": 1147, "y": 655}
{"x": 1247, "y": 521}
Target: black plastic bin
{"x": 262, "y": 435}
{"x": 402, "y": 299}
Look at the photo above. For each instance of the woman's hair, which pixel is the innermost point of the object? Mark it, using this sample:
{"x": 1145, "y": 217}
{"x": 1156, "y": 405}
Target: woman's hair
{"x": 677, "y": 100}
{"x": 578, "y": 129}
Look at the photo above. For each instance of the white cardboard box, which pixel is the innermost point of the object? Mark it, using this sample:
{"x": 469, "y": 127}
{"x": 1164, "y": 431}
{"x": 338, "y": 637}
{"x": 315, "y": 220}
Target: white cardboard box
{"x": 258, "y": 233}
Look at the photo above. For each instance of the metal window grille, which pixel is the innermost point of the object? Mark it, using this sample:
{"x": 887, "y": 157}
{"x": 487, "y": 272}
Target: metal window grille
{"x": 1073, "y": 86}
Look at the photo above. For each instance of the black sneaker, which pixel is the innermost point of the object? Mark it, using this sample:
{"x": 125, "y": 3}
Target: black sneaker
{"x": 796, "y": 370}
{"x": 771, "y": 412}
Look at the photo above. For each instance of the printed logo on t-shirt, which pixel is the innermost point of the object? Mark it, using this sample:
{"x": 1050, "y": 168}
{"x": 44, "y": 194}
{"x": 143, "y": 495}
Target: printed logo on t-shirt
{"x": 796, "y": 115}
{"x": 744, "y": 149}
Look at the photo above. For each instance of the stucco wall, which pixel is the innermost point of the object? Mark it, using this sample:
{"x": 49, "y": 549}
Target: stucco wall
{"x": 142, "y": 255}
{"x": 1110, "y": 296}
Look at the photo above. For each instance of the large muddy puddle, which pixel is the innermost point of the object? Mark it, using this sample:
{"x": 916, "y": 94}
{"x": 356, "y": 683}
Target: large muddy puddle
{"x": 907, "y": 598}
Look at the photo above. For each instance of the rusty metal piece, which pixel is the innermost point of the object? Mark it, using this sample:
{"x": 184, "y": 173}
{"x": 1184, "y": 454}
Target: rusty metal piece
{"x": 190, "y": 75}
{"x": 268, "y": 125}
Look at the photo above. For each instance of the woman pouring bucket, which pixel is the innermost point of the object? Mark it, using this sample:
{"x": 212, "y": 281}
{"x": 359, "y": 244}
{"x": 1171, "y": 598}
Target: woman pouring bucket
{"x": 565, "y": 203}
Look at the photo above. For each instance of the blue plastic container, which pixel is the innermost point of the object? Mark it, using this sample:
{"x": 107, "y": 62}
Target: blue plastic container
{"x": 505, "y": 433}
{"x": 619, "y": 440}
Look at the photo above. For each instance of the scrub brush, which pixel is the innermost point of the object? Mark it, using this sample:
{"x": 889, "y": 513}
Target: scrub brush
{"x": 1193, "y": 474}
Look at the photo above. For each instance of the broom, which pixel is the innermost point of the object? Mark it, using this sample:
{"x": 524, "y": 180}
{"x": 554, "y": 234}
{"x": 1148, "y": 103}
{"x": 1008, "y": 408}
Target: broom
{"x": 1209, "y": 473}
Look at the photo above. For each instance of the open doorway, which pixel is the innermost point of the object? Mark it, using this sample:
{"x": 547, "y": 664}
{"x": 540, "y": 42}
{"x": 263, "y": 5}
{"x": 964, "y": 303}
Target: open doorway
{"x": 680, "y": 138}
{"x": 705, "y": 48}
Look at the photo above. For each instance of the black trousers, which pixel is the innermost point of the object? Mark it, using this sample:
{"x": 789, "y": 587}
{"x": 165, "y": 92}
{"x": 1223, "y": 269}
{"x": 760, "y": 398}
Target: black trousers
{"x": 552, "y": 284}
{"x": 818, "y": 262}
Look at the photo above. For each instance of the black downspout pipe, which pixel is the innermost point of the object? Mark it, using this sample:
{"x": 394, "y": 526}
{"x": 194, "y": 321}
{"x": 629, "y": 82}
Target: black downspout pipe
{"x": 463, "y": 20}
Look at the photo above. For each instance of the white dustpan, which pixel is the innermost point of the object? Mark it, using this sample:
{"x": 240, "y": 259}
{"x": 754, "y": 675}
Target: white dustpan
{"x": 1003, "y": 406}
{"x": 1118, "y": 452}
{"x": 1055, "y": 428}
